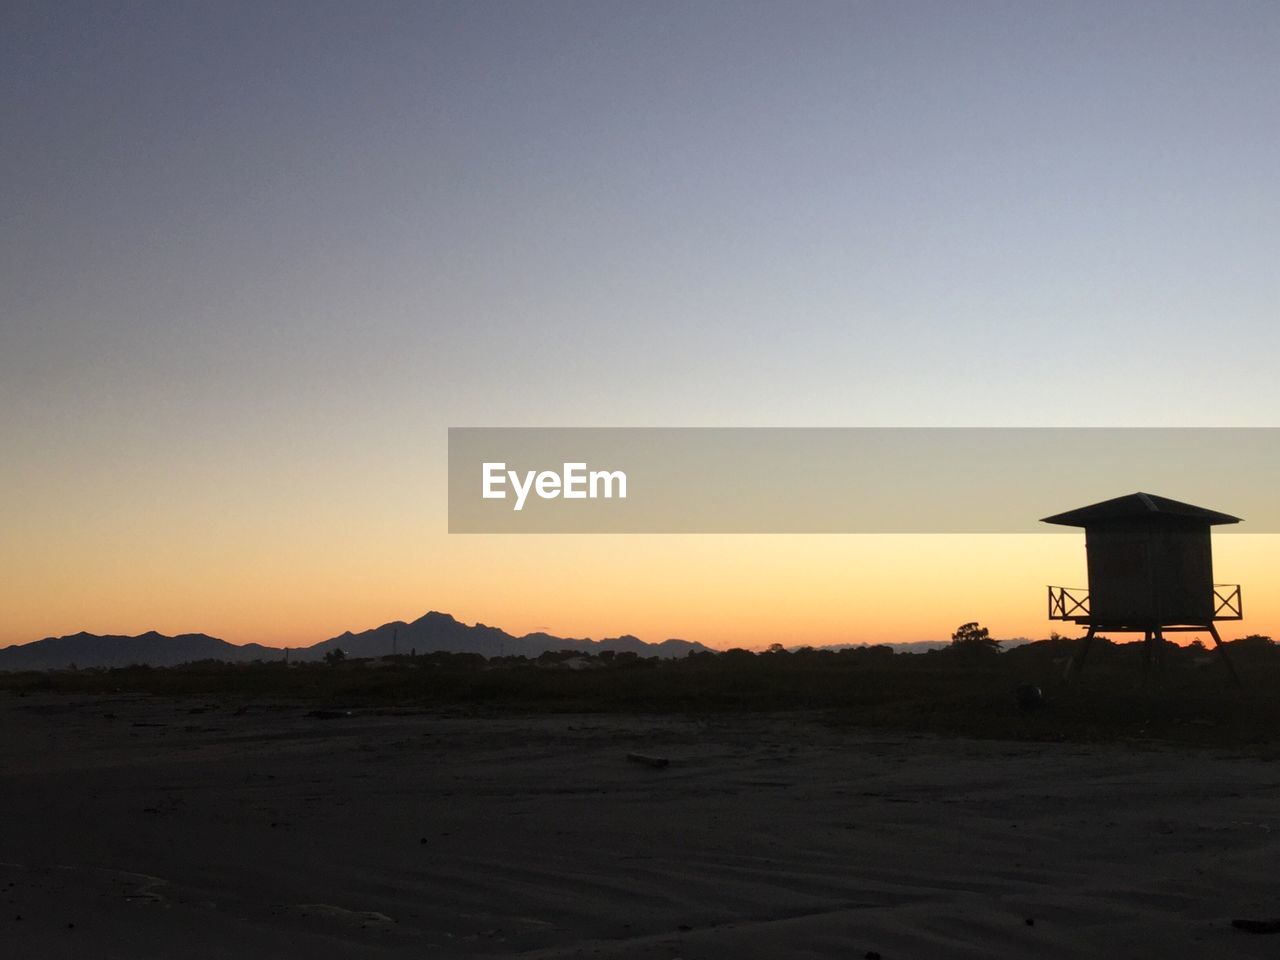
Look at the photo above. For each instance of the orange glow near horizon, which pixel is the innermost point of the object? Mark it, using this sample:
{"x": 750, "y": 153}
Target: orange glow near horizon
{"x": 726, "y": 591}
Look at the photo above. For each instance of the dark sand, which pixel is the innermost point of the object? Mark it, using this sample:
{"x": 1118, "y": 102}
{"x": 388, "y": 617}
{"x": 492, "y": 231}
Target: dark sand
{"x": 137, "y": 828}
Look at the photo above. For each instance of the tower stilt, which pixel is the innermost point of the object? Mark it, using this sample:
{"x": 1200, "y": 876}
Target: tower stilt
{"x": 1217, "y": 642}
{"x": 1076, "y": 663}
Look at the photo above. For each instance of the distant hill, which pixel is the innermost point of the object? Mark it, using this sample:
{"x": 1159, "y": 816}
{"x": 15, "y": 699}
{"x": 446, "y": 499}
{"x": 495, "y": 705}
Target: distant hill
{"x": 429, "y": 634}
{"x": 154, "y": 649}
{"x": 441, "y": 632}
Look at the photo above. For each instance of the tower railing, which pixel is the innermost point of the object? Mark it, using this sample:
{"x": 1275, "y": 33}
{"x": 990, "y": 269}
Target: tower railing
{"x": 1068, "y": 603}
{"x": 1227, "y": 604}
{"x": 1072, "y": 603}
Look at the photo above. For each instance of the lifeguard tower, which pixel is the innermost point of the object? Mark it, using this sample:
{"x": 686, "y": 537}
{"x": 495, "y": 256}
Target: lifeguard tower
{"x": 1150, "y": 572}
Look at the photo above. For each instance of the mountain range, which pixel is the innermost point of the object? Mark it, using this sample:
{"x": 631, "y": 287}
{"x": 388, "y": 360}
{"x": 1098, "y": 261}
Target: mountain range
{"x": 431, "y": 633}
{"x": 428, "y": 634}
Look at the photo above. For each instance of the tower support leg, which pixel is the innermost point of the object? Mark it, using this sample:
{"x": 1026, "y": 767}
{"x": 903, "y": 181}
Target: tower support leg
{"x": 1148, "y": 657}
{"x": 1076, "y": 663}
{"x": 1217, "y": 642}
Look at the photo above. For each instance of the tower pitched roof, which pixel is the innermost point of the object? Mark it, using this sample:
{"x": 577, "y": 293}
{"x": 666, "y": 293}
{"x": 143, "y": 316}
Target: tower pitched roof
{"x": 1138, "y": 505}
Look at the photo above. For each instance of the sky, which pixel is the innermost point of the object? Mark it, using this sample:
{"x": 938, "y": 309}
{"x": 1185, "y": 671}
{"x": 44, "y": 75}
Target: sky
{"x": 257, "y": 258}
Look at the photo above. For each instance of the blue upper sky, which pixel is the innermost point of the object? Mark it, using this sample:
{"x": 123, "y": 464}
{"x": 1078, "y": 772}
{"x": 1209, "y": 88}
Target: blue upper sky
{"x": 641, "y": 213}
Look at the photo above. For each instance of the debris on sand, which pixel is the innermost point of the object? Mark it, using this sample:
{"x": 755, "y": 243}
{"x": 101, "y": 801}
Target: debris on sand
{"x": 648, "y": 760}
{"x": 342, "y": 914}
{"x": 1257, "y": 926}
{"x": 329, "y": 714}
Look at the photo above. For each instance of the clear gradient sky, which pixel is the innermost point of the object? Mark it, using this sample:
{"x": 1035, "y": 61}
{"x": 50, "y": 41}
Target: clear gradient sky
{"x": 256, "y": 258}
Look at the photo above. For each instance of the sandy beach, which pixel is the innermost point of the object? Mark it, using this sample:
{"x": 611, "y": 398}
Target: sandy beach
{"x": 137, "y": 827}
